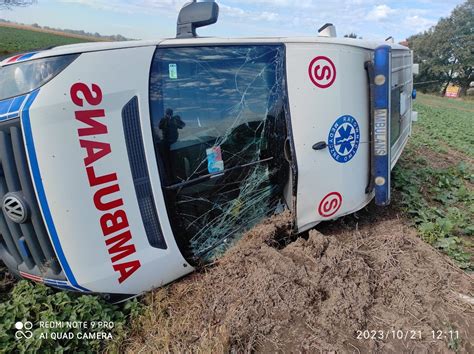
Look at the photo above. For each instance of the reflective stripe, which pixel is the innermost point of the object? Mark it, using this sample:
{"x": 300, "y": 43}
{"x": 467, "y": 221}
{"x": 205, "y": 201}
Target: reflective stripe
{"x": 13, "y": 59}
{"x": 31, "y": 277}
{"x": 26, "y": 56}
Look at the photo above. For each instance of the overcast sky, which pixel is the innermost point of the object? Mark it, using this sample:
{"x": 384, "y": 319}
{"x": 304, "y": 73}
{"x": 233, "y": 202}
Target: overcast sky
{"x": 148, "y": 19}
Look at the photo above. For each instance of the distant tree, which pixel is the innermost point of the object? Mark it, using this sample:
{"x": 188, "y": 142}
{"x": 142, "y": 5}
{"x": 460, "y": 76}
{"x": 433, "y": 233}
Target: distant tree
{"x": 8, "y": 4}
{"x": 432, "y": 69}
{"x": 461, "y": 24}
{"x": 445, "y": 52}
{"x": 119, "y": 38}
{"x": 352, "y": 35}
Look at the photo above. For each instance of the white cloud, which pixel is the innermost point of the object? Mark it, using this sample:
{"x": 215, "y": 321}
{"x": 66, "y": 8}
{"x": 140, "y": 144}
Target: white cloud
{"x": 275, "y": 3}
{"x": 418, "y": 23}
{"x": 379, "y": 13}
{"x": 132, "y": 7}
{"x": 370, "y": 19}
{"x": 245, "y": 15}
{"x": 268, "y": 16}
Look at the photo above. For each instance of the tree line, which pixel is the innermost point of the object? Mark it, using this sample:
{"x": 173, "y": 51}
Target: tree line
{"x": 445, "y": 52}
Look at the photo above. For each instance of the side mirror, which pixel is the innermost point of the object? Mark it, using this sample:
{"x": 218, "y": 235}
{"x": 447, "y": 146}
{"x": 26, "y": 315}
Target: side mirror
{"x": 194, "y": 15}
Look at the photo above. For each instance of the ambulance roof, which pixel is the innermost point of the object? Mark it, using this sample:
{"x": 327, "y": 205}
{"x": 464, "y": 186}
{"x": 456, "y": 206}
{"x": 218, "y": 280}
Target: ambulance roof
{"x": 100, "y": 46}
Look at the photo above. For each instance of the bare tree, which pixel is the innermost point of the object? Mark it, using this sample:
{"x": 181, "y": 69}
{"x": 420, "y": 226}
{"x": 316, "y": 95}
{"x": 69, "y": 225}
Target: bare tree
{"x": 9, "y": 4}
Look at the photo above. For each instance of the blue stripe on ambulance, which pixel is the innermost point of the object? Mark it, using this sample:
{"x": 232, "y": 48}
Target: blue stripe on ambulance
{"x": 10, "y": 109}
{"x": 35, "y": 171}
{"x": 26, "y": 56}
{"x": 58, "y": 284}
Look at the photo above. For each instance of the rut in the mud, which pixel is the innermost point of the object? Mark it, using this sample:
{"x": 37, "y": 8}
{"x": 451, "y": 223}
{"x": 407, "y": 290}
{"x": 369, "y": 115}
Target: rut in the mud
{"x": 315, "y": 293}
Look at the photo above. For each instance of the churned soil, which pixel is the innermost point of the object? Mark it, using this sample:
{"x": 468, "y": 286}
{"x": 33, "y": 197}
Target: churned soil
{"x": 325, "y": 291}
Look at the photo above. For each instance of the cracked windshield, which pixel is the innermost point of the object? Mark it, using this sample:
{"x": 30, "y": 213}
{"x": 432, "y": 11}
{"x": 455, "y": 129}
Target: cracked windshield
{"x": 218, "y": 118}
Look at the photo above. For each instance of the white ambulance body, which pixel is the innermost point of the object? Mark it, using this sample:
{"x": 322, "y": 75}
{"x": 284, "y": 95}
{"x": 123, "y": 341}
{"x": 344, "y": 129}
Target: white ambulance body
{"x": 125, "y": 165}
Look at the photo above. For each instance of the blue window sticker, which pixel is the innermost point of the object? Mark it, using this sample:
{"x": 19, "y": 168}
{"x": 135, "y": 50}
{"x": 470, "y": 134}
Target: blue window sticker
{"x": 344, "y": 138}
{"x": 214, "y": 160}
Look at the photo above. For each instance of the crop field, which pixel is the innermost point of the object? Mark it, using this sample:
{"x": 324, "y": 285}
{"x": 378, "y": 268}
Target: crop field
{"x": 15, "y": 40}
{"x": 407, "y": 267}
{"x": 435, "y": 176}
{"x": 450, "y": 124}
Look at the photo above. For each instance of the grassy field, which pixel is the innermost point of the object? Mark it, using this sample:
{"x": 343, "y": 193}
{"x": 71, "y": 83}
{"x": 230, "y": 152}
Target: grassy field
{"x": 447, "y": 122}
{"x": 434, "y": 179}
{"x": 14, "y": 40}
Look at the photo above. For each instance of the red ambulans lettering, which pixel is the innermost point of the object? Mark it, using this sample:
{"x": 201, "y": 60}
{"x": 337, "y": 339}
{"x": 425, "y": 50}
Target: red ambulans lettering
{"x": 107, "y": 200}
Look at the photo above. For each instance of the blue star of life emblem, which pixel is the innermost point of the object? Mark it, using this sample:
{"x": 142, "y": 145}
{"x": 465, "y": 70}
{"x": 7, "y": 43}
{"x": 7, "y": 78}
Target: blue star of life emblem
{"x": 344, "y": 138}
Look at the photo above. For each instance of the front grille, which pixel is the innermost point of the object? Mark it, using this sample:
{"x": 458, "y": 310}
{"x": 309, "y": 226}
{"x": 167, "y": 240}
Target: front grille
{"x": 24, "y": 247}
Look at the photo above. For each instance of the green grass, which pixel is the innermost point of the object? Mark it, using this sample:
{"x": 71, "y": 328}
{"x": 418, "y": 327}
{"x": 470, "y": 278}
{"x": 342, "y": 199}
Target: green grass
{"x": 445, "y": 102}
{"x": 36, "y": 303}
{"x": 453, "y": 124}
{"x": 435, "y": 179}
{"x": 14, "y": 40}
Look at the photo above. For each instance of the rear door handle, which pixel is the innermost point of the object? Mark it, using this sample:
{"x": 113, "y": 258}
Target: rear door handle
{"x": 320, "y": 145}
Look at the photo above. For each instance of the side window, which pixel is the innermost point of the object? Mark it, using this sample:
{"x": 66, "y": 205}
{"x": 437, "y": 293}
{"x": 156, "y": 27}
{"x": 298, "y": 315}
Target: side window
{"x": 219, "y": 129}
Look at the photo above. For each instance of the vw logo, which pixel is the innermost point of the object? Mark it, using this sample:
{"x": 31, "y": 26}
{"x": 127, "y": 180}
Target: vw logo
{"x": 15, "y": 208}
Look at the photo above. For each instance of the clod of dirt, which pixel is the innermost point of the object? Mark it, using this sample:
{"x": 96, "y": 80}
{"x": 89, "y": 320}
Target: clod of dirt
{"x": 315, "y": 293}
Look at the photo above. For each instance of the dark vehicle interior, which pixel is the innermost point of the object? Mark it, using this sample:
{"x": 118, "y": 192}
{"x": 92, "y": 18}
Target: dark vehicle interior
{"x": 219, "y": 122}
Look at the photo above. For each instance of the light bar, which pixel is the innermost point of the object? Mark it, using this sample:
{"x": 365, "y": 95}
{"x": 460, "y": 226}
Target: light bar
{"x": 381, "y": 133}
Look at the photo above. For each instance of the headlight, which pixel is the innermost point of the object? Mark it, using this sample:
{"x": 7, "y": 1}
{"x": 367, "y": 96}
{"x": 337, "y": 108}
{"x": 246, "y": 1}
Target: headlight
{"x": 21, "y": 78}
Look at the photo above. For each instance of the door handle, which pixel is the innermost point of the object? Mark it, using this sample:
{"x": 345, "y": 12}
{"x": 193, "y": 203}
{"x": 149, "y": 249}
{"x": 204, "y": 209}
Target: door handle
{"x": 320, "y": 145}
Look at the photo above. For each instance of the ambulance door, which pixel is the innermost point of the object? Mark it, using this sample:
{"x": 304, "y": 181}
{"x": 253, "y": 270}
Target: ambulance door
{"x": 329, "y": 105}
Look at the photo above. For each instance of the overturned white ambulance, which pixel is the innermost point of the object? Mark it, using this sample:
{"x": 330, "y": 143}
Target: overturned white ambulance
{"x": 124, "y": 165}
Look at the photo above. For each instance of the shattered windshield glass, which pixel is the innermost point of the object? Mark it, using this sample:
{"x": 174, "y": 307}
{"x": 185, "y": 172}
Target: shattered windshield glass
{"x": 218, "y": 119}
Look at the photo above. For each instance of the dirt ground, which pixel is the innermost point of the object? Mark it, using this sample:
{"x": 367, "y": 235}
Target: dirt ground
{"x": 356, "y": 285}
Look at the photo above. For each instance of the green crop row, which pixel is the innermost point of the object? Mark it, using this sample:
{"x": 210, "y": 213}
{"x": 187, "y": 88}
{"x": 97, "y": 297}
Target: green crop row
{"x": 452, "y": 125}
{"x": 438, "y": 196}
{"x": 14, "y": 40}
